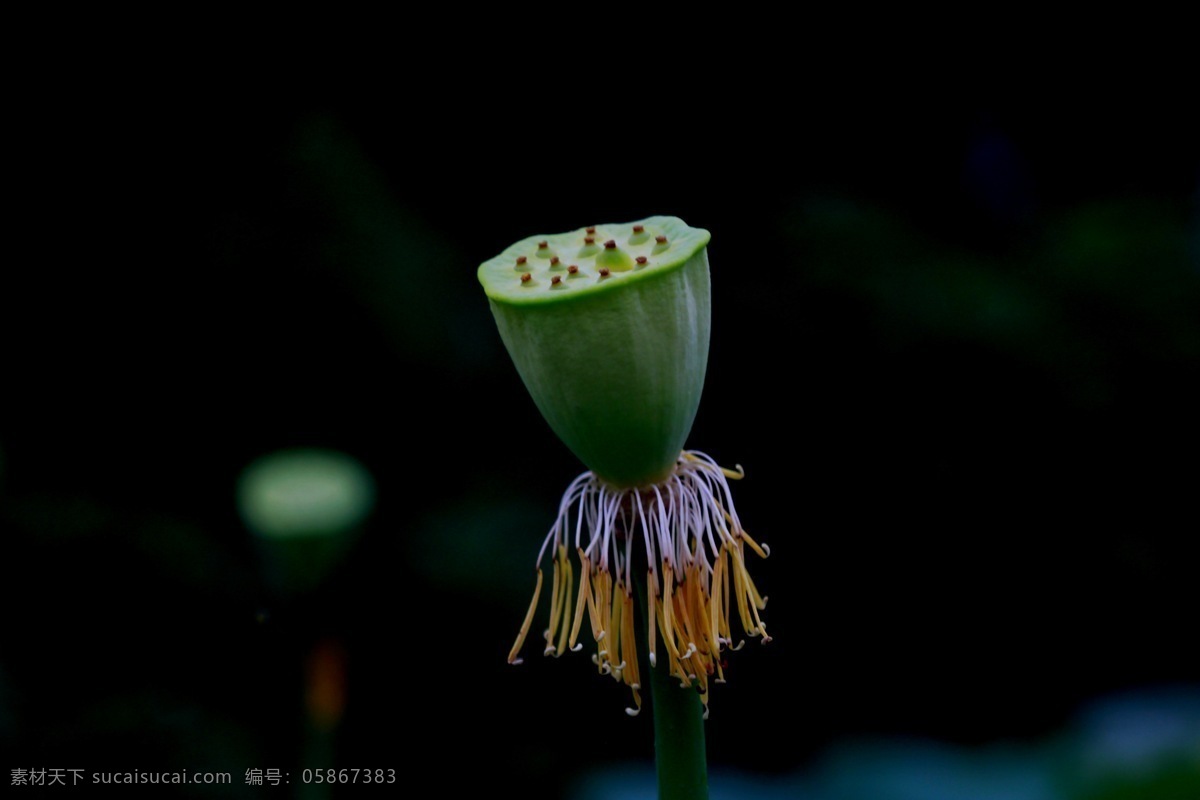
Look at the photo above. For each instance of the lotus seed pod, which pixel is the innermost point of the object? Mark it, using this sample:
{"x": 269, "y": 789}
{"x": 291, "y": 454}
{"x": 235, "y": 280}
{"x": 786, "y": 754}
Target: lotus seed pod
{"x": 614, "y": 350}
{"x": 608, "y": 327}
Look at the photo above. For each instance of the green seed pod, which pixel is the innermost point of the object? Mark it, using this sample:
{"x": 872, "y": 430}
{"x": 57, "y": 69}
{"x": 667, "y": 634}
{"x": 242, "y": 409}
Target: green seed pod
{"x": 608, "y": 327}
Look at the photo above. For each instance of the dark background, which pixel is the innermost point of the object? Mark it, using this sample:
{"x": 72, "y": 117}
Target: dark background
{"x": 955, "y": 345}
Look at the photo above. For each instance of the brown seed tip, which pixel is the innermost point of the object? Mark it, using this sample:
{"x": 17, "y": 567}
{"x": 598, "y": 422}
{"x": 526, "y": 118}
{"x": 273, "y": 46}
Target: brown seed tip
{"x": 572, "y": 269}
{"x": 611, "y": 244}
{"x": 526, "y": 278}
{"x": 604, "y": 272}
{"x": 543, "y": 245}
{"x": 589, "y": 240}
{"x": 639, "y": 228}
{"x": 591, "y": 230}
{"x": 521, "y": 259}
{"x": 556, "y": 280}
{"x": 660, "y": 239}
{"x": 641, "y": 259}
{"x": 554, "y": 261}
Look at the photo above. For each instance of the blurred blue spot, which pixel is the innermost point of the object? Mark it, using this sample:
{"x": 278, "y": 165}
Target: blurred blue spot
{"x": 915, "y": 770}
{"x": 1140, "y": 746}
{"x": 1141, "y": 731}
{"x": 638, "y": 782}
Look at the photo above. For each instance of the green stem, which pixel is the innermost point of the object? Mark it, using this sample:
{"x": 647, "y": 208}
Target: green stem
{"x": 678, "y": 738}
{"x": 679, "y": 750}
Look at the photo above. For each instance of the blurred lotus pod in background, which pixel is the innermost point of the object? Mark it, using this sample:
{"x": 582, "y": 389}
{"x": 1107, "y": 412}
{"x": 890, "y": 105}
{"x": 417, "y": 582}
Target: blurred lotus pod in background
{"x": 304, "y": 507}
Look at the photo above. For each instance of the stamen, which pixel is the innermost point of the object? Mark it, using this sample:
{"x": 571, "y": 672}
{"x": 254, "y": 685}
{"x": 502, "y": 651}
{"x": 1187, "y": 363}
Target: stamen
{"x": 617, "y": 629}
{"x": 585, "y": 582}
{"x": 651, "y": 587}
{"x": 697, "y": 579}
{"x": 763, "y": 551}
{"x": 568, "y": 581}
{"x": 555, "y": 602}
{"x": 516, "y": 648}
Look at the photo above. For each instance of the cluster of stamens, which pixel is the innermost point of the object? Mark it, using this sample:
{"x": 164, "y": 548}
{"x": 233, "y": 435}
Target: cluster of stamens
{"x": 618, "y": 261}
{"x": 695, "y": 575}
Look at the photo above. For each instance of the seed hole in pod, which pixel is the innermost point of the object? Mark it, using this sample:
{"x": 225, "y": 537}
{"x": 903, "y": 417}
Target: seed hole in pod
{"x": 574, "y": 270}
{"x": 660, "y": 244}
{"x": 556, "y": 280}
{"x": 604, "y": 272}
{"x": 526, "y": 278}
{"x": 589, "y": 248}
{"x": 554, "y": 263}
{"x": 591, "y": 231}
{"x": 641, "y": 260}
{"x": 614, "y": 258}
{"x": 639, "y": 235}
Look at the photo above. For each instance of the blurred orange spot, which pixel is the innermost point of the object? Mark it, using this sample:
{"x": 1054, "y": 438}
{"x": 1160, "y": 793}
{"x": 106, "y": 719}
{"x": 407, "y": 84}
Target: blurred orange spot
{"x": 325, "y": 684}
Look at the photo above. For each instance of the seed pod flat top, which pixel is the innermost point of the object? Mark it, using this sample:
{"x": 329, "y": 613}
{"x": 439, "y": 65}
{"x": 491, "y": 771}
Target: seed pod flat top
{"x": 589, "y": 261}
